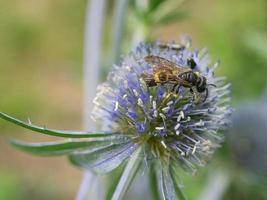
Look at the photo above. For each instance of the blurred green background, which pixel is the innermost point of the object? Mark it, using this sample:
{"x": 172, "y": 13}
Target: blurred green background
{"x": 41, "y": 58}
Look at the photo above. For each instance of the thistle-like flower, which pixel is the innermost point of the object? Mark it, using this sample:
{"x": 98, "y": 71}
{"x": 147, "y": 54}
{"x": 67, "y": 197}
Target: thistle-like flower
{"x": 247, "y": 137}
{"x": 157, "y": 125}
{"x": 169, "y": 127}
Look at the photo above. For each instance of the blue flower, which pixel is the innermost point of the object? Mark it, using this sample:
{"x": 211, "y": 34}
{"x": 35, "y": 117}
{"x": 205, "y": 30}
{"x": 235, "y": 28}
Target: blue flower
{"x": 171, "y": 128}
{"x": 160, "y": 127}
{"x": 247, "y": 138}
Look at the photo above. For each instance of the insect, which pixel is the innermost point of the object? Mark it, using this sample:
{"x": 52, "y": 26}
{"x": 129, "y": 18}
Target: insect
{"x": 179, "y": 47}
{"x": 165, "y": 71}
{"x": 185, "y": 43}
{"x": 175, "y": 47}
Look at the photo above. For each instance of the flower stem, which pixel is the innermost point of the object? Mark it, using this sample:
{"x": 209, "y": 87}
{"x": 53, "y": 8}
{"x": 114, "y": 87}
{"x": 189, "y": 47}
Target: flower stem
{"x": 154, "y": 188}
{"x": 83, "y": 190}
{"x": 127, "y": 176}
{"x": 217, "y": 184}
{"x": 120, "y": 10}
{"x": 92, "y": 54}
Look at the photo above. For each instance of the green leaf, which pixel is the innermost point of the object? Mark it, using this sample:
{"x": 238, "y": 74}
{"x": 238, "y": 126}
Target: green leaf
{"x": 58, "y": 147}
{"x": 154, "y": 4}
{"x": 175, "y": 180}
{"x": 113, "y": 180}
{"x": 53, "y": 132}
{"x": 256, "y": 42}
{"x": 127, "y": 176}
{"x": 105, "y": 159}
{"x": 165, "y": 9}
{"x": 170, "y": 187}
{"x": 153, "y": 181}
{"x": 171, "y": 17}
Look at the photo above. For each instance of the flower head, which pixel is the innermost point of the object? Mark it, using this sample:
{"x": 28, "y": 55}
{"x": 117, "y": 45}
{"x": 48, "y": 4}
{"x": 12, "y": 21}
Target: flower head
{"x": 169, "y": 126}
{"x": 170, "y": 115}
{"x": 247, "y": 138}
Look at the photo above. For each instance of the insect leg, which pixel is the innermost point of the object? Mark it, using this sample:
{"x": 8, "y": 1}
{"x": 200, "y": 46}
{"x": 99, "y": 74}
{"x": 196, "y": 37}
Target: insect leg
{"x": 174, "y": 89}
{"x": 191, "y": 90}
{"x": 213, "y": 85}
{"x": 178, "y": 89}
{"x": 207, "y": 91}
{"x": 196, "y": 97}
{"x": 207, "y": 94}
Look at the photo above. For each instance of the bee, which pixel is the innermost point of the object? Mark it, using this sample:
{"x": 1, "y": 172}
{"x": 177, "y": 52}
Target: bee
{"x": 185, "y": 43}
{"x": 175, "y": 47}
{"x": 165, "y": 71}
{"x": 179, "y": 47}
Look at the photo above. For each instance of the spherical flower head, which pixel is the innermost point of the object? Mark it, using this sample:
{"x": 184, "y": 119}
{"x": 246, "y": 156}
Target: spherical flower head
{"x": 176, "y": 125}
{"x": 247, "y": 138}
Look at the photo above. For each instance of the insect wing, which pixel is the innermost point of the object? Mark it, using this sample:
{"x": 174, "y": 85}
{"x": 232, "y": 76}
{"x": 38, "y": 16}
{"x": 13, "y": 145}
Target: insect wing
{"x": 160, "y": 63}
{"x": 174, "y": 70}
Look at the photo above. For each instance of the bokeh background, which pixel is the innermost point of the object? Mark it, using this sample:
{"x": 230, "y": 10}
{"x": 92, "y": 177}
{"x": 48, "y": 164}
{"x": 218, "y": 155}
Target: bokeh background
{"x": 41, "y": 72}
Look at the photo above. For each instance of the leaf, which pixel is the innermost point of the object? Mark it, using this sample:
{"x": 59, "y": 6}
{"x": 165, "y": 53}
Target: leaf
{"x": 127, "y": 176}
{"x": 113, "y": 180}
{"x": 154, "y": 4}
{"x": 256, "y": 42}
{"x": 176, "y": 184}
{"x": 170, "y": 187}
{"x": 53, "y": 132}
{"x": 154, "y": 188}
{"x": 173, "y": 16}
{"x": 106, "y": 159}
{"x": 165, "y": 9}
{"x": 166, "y": 184}
{"x": 58, "y": 147}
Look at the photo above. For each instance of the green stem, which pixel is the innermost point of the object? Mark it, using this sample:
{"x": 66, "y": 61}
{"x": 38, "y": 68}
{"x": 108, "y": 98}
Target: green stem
{"x": 120, "y": 10}
{"x": 92, "y": 56}
{"x": 153, "y": 181}
{"x": 127, "y": 176}
{"x": 216, "y": 186}
{"x": 178, "y": 191}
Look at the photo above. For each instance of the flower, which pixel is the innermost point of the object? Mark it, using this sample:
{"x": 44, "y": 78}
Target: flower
{"x": 157, "y": 125}
{"x": 169, "y": 127}
{"x": 247, "y": 138}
